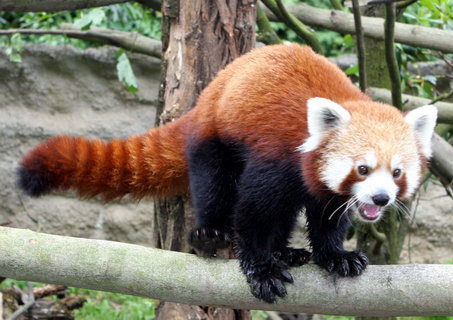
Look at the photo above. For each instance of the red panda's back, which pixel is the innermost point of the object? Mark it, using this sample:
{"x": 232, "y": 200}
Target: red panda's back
{"x": 260, "y": 98}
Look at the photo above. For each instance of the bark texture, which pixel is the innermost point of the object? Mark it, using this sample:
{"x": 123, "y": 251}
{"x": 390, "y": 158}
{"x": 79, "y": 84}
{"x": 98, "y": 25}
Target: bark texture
{"x": 200, "y": 38}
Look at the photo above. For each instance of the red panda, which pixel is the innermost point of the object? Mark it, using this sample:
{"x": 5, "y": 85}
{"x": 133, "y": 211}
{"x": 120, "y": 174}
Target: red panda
{"x": 278, "y": 130}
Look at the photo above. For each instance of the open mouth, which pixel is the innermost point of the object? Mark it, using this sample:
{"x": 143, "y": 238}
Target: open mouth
{"x": 369, "y": 212}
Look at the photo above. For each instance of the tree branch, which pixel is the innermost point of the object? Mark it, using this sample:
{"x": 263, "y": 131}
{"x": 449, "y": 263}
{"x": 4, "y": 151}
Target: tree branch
{"x": 390, "y": 57}
{"x": 445, "y": 109}
{"x": 343, "y": 22}
{"x": 277, "y": 7}
{"x": 441, "y": 162}
{"x": 132, "y": 41}
{"x": 360, "y": 44}
{"x": 53, "y": 5}
{"x": 184, "y": 278}
{"x": 266, "y": 33}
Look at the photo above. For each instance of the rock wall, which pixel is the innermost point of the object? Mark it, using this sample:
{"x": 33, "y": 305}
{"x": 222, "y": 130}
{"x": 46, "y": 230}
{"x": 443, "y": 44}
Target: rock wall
{"x": 62, "y": 90}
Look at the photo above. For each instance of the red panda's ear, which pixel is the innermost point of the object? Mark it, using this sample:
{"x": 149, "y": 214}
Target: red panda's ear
{"x": 422, "y": 120}
{"x": 323, "y": 115}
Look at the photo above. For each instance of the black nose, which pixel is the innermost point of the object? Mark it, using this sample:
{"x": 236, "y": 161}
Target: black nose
{"x": 380, "y": 199}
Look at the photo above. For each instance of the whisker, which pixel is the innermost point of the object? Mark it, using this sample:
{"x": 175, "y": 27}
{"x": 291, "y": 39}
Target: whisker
{"x": 402, "y": 206}
{"x": 403, "y": 209}
{"x": 324, "y": 209}
{"x": 332, "y": 214}
{"x": 350, "y": 202}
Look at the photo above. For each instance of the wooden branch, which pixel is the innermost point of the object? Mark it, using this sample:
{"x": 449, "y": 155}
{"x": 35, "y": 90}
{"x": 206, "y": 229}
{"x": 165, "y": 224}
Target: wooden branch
{"x": 53, "y": 5}
{"x": 266, "y": 33}
{"x": 390, "y": 57}
{"x": 360, "y": 44}
{"x": 111, "y": 266}
{"x": 131, "y": 41}
{"x": 277, "y": 7}
{"x": 445, "y": 109}
{"x": 343, "y": 22}
{"x": 441, "y": 162}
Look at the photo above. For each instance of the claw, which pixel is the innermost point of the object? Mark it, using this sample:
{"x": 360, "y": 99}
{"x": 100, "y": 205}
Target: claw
{"x": 287, "y": 277}
{"x": 346, "y": 264}
{"x": 280, "y": 289}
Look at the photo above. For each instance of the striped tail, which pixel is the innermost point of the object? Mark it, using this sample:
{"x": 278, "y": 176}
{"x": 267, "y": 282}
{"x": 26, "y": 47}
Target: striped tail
{"x": 152, "y": 164}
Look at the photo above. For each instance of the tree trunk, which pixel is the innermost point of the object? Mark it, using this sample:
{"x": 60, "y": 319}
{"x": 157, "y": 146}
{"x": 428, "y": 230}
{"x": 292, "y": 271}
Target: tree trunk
{"x": 199, "y": 39}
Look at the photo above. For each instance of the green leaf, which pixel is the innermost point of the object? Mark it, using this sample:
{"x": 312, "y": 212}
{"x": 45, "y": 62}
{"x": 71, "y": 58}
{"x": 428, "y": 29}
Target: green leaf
{"x": 349, "y": 41}
{"x": 125, "y": 73}
{"x": 352, "y": 70}
{"x": 429, "y": 4}
{"x": 94, "y": 17}
{"x": 431, "y": 79}
{"x": 17, "y": 43}
{"x": 14, "y": 48}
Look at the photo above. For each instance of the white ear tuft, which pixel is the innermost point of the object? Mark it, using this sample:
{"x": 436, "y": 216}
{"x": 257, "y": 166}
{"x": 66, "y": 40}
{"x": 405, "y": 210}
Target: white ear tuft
{"x": 323, "y": 115}
{"x": 422, "y": 120}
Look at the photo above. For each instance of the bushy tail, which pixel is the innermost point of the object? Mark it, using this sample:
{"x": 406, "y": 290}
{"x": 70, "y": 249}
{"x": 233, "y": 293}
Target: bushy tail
{"x": 152, "y": 164}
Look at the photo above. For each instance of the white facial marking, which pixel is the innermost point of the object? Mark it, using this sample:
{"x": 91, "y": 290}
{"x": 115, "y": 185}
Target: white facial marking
{"x": 380, "y": 181}
{"x": 323, "y": 115}
{"x": 335, "y": 171}
{"x": 422, "y": 120}
{"x": 396, "y": 162}
{"x": 371, "y": 160}
{"x": 413, "y": 175}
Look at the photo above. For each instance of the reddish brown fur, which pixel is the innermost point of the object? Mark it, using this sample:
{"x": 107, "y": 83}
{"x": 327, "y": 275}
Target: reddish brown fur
{"x": 149, "y": 164}
{"x": 258, "y": 100}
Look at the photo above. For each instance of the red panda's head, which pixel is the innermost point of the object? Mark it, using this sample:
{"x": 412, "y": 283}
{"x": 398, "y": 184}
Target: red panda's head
{"x": 366, "y": 151}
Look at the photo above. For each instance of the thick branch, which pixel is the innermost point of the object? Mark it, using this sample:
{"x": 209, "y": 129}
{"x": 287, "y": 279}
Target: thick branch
{"x": 53, "y": 5}
{"x": 111, "y": 266}
{"x": 343, "y": 22}
{"x": 445, "y": 109}
{"x": 441, "y": 162}
{"x": 132, "y": 41}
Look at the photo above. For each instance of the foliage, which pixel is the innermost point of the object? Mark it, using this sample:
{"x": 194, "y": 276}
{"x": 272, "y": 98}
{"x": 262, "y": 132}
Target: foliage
{"x": 331, "y": 42}
{"x": 431, "y": 13}
{"x": 15, "y": 48}
{"x": 103, "y": 305}
{"x": 125, "y": 17}
{"x": 106, "y": 305}
{"x": 129, "y": 16}
{"x": 125, "y": 73}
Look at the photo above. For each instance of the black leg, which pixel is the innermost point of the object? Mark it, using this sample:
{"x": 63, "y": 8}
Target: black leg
{"x": 327, "y": 226}
{"x": 214, "y": 168}
{"x": 270, "y": 195}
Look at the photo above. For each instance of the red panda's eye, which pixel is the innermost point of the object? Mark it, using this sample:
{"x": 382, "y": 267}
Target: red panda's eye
{"x": 363, "y": 170}
{"x": 396, "y": 173}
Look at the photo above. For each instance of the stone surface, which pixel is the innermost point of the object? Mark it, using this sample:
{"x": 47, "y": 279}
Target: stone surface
{"x": 63, "y": 90}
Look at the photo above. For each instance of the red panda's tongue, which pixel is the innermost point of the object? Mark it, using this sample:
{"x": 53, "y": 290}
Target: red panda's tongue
{"x": 370, "y": 212}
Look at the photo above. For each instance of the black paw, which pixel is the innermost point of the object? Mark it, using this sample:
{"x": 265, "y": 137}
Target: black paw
{"x": 209, "y": 240}
{"x": 294, "y": 257}
{"x": 346, "y": 264}
{"x": 267, "y": 280}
